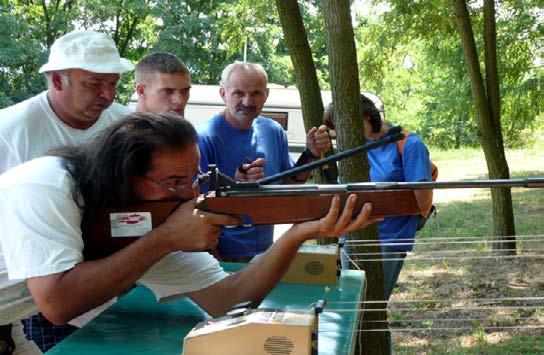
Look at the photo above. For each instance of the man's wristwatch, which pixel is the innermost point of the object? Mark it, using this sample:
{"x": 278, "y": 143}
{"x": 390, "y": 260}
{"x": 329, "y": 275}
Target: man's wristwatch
{"x": 305, "y": 156}
{"x": 308, "y": 153}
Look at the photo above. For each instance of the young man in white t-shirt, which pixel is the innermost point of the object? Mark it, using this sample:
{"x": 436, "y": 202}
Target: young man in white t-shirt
{"x": 163, "y": 83}
{"x": 82, "y": 75}
{"x": 145, "y": 156}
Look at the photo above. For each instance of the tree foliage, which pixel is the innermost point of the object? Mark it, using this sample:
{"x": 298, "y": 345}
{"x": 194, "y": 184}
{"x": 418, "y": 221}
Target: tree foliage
{"x": 431, "y": 95}
{"x": 436, "y": 100}
{"x": 32, "y": 26}
{"x": 208, "y": 35}
{"x": 22, "y": 51}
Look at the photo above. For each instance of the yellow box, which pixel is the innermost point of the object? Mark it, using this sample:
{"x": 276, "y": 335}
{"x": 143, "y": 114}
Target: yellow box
{"x": 258, "y": 331}
{"x": 315, "y": 264}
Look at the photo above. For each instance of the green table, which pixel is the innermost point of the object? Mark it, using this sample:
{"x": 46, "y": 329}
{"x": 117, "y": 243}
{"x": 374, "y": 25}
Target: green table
{"x": 137, "y": 324}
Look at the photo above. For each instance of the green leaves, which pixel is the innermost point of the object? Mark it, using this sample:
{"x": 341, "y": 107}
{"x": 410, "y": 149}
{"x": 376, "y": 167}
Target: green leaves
{"x": 20, "y": 57}
{"x": 431, "y": 96}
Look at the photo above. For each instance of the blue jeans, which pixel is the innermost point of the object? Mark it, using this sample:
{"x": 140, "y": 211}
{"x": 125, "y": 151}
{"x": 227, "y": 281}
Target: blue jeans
{"x": 44, "y": 333}
{"x": 391, "y": 268}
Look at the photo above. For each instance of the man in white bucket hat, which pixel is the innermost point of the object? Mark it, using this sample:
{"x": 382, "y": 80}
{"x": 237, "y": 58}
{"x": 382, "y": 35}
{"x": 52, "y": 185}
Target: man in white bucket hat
{"x": 82, "y": 74}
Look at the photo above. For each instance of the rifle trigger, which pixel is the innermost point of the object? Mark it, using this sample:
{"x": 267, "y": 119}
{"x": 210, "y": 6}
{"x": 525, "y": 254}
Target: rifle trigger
{"x": 241, "y": 169}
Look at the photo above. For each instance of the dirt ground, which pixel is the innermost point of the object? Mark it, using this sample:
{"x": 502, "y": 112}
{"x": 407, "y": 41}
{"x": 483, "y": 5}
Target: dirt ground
{"x": 487, "y": 296}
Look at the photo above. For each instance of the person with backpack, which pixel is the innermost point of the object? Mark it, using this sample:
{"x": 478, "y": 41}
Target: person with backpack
{"x": 407, "y": 160}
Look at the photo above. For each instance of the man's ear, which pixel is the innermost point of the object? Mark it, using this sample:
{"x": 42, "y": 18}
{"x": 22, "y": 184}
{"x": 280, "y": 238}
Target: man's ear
{"x": 140, "y": 90}
{"x": 267, "y": 93}
{"x": 56, "y": 81}
{"x": 223, "y": 94}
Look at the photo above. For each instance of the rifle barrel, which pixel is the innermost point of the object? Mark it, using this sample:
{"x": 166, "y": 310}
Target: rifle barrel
{"x": 394, "y": 134}
{"x": 496, "y": 183}
{"x": 314, "y": 189}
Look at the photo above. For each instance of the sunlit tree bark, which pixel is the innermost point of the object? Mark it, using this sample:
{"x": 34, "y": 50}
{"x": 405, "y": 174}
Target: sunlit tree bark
{"x": 305, "y": 73}
{"x": 350, "y": 133}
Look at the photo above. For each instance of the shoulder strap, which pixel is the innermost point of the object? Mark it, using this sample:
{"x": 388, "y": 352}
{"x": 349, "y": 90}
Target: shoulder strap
{"x": 434, "y": 168}
{"x": 400, "y": 142}
{"x": 400, "y": 147}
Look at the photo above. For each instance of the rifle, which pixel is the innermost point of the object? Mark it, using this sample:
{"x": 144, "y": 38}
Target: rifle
{"x": 277, "y": 204}
{"x": 262, "y": 203}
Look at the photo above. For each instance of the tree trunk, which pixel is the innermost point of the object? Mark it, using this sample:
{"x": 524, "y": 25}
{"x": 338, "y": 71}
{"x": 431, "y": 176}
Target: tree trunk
{"x": 488, "y": 117}
{"x": 350, "y": 133}
{"x": 49, "y": 36}
{"x": 305, "y": 74}
{"x": 503, "y": 214}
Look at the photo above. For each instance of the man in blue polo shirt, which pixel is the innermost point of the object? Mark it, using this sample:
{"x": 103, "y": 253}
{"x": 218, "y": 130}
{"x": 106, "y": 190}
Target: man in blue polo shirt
{"x": 247, "y": 146}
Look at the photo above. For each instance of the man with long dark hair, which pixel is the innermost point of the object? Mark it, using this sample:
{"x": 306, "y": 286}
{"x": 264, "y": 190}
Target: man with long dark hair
{"x": 146, "y": 156}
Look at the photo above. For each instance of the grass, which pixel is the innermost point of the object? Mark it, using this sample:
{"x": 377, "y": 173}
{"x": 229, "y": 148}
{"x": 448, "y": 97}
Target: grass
{"x": 465, "y": 214}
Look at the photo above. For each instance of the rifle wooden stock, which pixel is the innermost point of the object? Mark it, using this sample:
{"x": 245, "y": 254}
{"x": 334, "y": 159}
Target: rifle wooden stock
{"x": 97, "y": 229}
{"x": 294, "y": 209}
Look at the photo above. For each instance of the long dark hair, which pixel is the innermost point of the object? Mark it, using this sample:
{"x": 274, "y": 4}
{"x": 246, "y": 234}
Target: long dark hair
{"x": 104, "y": 168}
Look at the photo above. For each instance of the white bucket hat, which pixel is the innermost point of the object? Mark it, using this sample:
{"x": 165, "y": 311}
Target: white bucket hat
{"x": 88, "y": 50}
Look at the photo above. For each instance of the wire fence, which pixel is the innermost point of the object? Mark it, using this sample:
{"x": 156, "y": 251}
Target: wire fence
{"x": 491, "y": 290}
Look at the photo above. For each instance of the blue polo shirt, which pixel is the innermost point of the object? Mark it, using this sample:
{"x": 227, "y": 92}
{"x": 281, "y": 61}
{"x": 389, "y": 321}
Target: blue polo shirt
{"x": 226, "y": 146}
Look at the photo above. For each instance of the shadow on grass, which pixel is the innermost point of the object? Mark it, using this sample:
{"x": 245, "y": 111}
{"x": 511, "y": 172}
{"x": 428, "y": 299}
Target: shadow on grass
{"x": 512, "y": 343}
{"x": 469, "y": 306}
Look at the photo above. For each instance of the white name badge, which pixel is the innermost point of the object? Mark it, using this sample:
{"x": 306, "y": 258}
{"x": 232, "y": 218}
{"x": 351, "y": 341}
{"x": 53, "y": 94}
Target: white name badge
{"x": 130, "y": 224}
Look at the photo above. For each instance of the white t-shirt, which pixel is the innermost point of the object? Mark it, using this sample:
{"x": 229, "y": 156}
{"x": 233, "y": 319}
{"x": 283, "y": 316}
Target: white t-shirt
{"x": 30, "y": 128}
{"x": 40, "y": 235}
